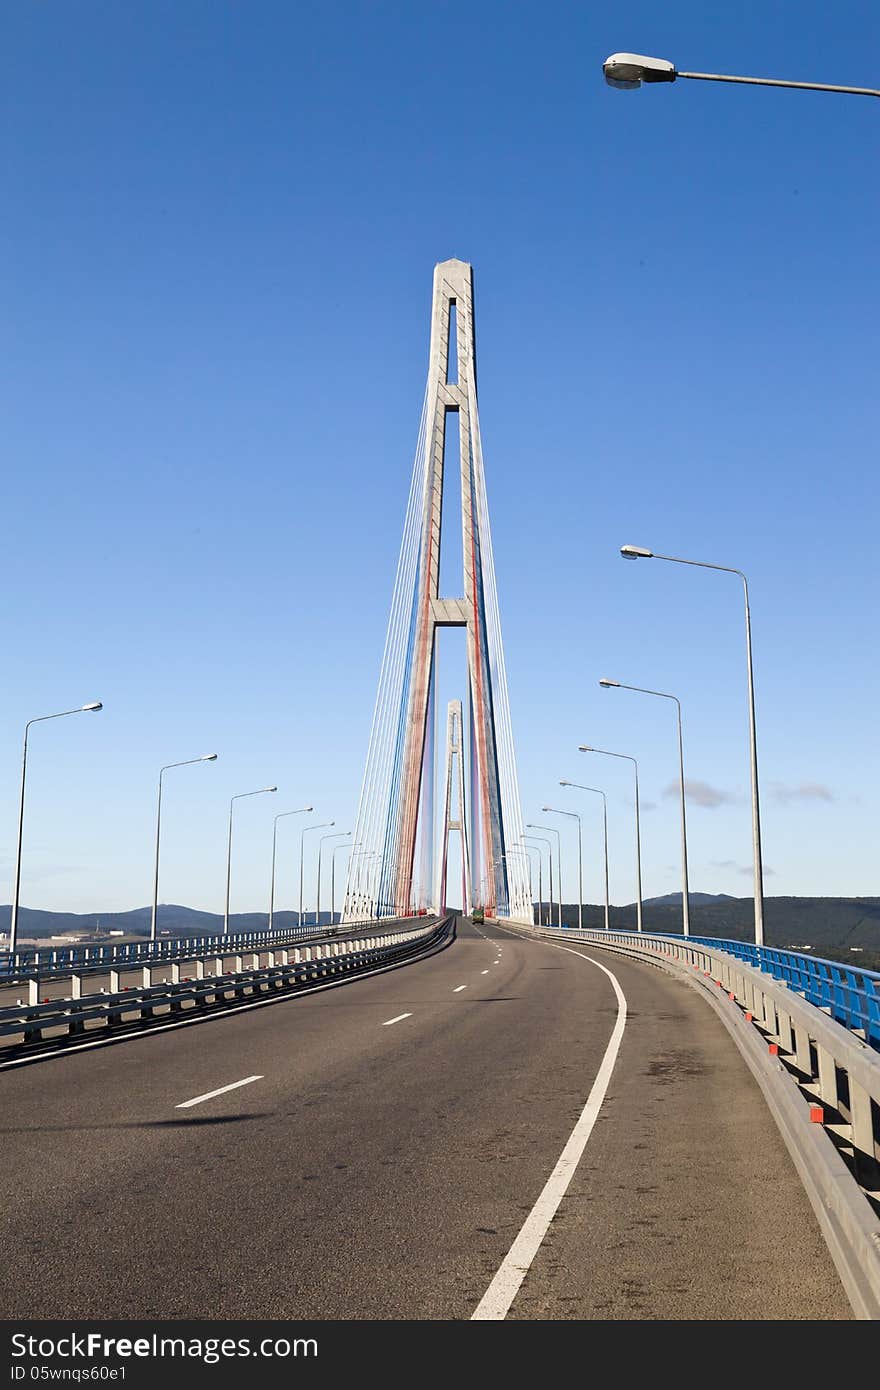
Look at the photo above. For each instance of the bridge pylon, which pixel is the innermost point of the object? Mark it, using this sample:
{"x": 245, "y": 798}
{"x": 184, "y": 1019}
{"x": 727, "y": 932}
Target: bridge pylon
{"x": 454, "y": 814}
{"x": 396, "y": 815}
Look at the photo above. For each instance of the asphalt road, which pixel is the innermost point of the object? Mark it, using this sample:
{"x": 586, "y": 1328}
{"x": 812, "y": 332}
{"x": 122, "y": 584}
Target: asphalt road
{"x": 382, "y": 1169}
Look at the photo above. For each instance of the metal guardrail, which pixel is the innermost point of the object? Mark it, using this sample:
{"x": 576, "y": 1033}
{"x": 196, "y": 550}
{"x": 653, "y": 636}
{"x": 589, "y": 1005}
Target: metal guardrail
{"x": 851, "y": 995}
{"x": 62, "y": 960}
{"x": 27, "y": 1021}
{"x": 820, "y": 1076}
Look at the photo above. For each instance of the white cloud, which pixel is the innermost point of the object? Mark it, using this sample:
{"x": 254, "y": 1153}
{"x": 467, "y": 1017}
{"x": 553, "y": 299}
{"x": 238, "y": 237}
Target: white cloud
{"x": 701, "y": 793}
{"x": 805, "y": 791}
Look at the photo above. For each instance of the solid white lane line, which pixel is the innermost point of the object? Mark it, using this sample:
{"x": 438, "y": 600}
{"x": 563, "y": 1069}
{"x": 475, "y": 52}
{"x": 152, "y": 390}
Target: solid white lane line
{"x": 496, "y": 1301}
{"x": 221, "y": 1090}
{"x": 388, "y": 1022}
{"x": 459, "y": 988}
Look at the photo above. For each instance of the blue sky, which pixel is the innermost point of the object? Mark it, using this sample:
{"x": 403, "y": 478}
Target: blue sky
{"x": 220, "y": 224}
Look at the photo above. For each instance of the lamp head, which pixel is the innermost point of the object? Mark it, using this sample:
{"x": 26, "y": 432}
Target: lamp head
{"x": 565, "y": 784}
{"x": 636, "y": 552}
{"x": 585, "y": 748}
{"x": 270, "y": 789}
{"x": 209, "y": 758}
{"x": 627, "y": 71}
{"x": 607, "y": 684}
{"x": 96, "y": 705}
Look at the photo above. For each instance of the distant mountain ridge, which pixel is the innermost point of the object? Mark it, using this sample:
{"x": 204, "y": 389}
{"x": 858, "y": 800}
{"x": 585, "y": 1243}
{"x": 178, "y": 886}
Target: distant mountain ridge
{"x": 674, "y": 899}
{"x": 842, "y": 928}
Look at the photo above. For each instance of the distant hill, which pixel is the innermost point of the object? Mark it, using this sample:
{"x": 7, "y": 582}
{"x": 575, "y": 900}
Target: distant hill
{"x": 674, "y": 899}
{"x": 829, "y": 926}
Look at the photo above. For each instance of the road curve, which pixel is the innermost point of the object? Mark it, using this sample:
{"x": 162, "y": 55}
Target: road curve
{"x": 373, "y": 1150}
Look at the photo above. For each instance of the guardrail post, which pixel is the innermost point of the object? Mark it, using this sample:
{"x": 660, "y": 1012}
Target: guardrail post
{"x": 802, "y": 1055}
{"x": 768, "y": 1013}
{"x": 33, "y": 991}
{"x": 862, "y": 1123}
{"x": 827, "y": 1078}
{"x": 784, "y": 1032}
{"x": 76, "y": 986}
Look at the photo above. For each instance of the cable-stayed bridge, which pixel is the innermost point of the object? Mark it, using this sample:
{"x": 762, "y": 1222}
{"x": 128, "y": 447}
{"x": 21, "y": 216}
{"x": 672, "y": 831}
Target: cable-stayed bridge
{"x": 415, "y": 1114}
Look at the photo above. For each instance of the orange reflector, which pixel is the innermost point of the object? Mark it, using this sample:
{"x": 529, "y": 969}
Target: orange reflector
{"x": 817, "y": 1115}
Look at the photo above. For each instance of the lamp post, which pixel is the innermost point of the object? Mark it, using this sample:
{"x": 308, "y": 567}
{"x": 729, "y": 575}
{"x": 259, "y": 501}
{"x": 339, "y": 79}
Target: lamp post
{"x": 685, "y": 895}
{"x": 549, "y": 843}
{"x": 584, "y": 748}
{"x": 636, "y": 552}
{"x": 333, "y": 854}
{"x": 372, "y": 902}
{"x": 628, "y": 71}
{"x": 605, "y": 833}
{"x": 205, "y": 758}
{"x": 321, "y": 825}
{"x": 533, "y": 849}
{"x": 299, "y": 812}
{"x": 530, "y": 825}
{"x": 574, "y": 816}
{"x": 241, "y": 795}
{"x": 357, "y": 854}
{"x": 41, "y": 719}
{"x": 523, "y": 850}
{"x": 350, "y": 884}
{"x": 340, "y": 835}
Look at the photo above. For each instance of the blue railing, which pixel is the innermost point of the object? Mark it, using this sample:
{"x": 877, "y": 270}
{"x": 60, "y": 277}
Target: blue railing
{"x": 851, "y": 995}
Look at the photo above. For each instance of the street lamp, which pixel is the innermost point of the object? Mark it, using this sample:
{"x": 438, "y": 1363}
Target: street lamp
{"x": 372, "y": 900}
{"x": 574, "y": 816}
{"x": 533, "y": 849}
{"x": 205, "y": 758}
{"x": 605, "y": 830}
{"x": 299, "y": 812}
{"x": 685, "y": 895}
{"x": 321, "y": 825}
{"x": 333, "y": 855}
{"x": 41, "y": 719}
{"x": 259, "y": 792}
{"x": 583, "y": 748}
{"x": 340, "y": 835}
{"x": 627, "y": 71}
{"x": 635, "y": 552}
{"x": 530, "y": 825}
{"x": 355, "y": 878}
{"x": 524, "y": 851}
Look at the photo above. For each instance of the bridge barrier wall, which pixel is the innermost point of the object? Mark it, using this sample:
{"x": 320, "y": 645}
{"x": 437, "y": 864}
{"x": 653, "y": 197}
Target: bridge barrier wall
{"x": 28, "y": 1021}
{"x": 821, "y": 1081}
{"x": 62, "y": 960}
